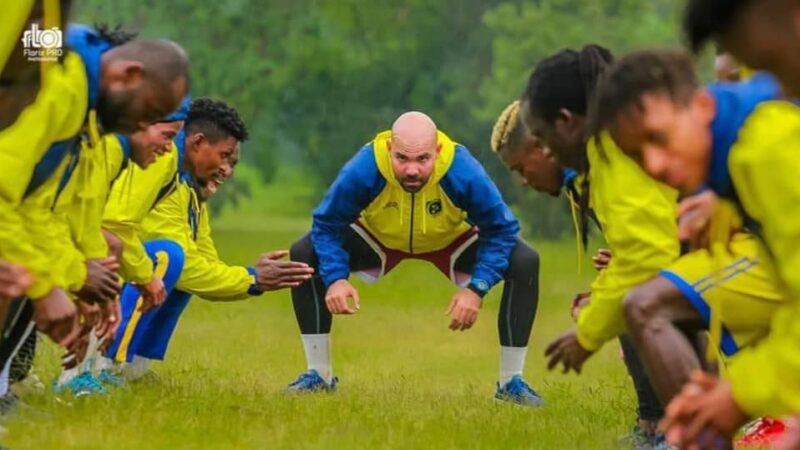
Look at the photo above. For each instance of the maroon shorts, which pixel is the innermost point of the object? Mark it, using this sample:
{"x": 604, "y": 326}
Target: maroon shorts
{"x": 444, "y": 259}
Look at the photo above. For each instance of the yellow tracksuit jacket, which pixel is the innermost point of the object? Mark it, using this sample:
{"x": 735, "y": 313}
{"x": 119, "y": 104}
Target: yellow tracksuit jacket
{"x": 25, "y": 235}
{"x": 181, "y": 218}
{"x": 763, "y": 165}
{"x": 134, "y": 193}
{"x": 638, "y": 218}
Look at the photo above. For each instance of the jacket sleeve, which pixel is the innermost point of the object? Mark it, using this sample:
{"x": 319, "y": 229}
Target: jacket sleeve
{"x": 638, "y": 218}
{"x": 358, "y": 183}
{"x": 131, "y": 198}
{"x": 206, "y": 277}
{"x": 471, "y": 189}
{"x": 61, "y": 105}
{"x": 764, "y": 168}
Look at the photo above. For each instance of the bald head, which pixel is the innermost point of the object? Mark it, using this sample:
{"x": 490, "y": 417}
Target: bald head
{"x": 414, "y": 132}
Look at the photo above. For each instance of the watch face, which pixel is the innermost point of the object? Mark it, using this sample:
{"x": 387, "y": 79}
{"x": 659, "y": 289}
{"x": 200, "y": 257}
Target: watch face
{"x": 482, "y": 285}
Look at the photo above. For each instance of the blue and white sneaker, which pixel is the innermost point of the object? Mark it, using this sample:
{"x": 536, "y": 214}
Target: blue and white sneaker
{"x": 83, "y": 384}
{"x": 311, "y": 381}
{"x": 107, "y": 378}
{"x": 519, "y": 392}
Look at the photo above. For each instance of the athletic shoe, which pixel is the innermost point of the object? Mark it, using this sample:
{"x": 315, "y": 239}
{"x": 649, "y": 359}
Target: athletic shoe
{"x": 83, "y": 384}
{"x": 640, "y": 439}
{"x": 311, "y": 381}
{"x": 519, "y": 392}
{"x": 109, "y": 379}
{"x": 761, "y": 432}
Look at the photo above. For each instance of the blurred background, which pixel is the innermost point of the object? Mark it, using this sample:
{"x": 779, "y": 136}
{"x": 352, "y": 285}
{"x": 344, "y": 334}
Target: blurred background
{"x": 316, "y": 79}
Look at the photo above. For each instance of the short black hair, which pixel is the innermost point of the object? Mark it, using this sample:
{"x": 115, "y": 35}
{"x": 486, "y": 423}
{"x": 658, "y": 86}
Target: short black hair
{"x": 215, "y": 119}
{"x": 706, "y": 19}
{"x": 669, "y": 72}
{"x": 566, "y": 80}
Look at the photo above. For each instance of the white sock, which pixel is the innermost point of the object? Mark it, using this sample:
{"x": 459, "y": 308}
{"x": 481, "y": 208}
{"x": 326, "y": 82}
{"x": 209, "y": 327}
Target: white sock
{"x": 67, "y": 375}
{"x": 318, "y": 354}
{"x": 136, "y": 368}
{"x": 4, "y": 379}
{"x": 91, "y": 353}
{"x": 104, "y": 363}
{"x": 512, "y": 361}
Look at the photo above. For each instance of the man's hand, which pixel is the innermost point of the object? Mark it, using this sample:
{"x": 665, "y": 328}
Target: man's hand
{"x": 111, "y": 315}
{"x": 153, "y": 293}
{"x": 102, "y": 282}
{"x": 14, "y": 280}
{"x": 337, "y": 295}
{"x": 273, "y": 274}
{"x": 579, "y": 302}
{"x": 601, "y": 259}
{"x": 704, "y": 415}
{"x": 464, "y": 309}
{"x": 90, "y": 313}
{"x": 57, "y": 317}
{"x": 694, "y": 218}
{"x": 568, "y": 351}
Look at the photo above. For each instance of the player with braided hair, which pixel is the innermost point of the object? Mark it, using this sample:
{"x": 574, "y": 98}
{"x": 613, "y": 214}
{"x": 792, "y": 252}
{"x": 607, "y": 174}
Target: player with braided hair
{"x": 208, "y": 147}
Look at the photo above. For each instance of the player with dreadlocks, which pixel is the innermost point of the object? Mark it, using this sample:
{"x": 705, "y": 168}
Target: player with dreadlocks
{"x": 525, "y": 155}
{"x": 207, "y": 147}
{"x": 740, "y": 140}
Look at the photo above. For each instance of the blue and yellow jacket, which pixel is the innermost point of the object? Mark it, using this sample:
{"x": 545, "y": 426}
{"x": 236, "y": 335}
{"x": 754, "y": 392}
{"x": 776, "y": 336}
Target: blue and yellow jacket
{"x": 754, "y": 163}
{"x": 458, "y": 195}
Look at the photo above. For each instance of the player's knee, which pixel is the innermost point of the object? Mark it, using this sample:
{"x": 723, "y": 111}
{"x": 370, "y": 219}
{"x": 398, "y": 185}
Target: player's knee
{"x": 524, "y": 261}
{"x": 302, "y": 250}
{"x": 641, "y": 305}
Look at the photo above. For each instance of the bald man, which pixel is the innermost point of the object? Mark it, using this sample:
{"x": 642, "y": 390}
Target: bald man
{"x": 413, "y": 193}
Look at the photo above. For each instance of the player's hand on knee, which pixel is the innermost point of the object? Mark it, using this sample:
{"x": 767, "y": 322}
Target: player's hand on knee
{"x": 273, "y": 273}
{"x": 14, "y": 280}
{"x": 153, "y": 293}
{"x": 56, "y": 316}
{"x": 464, "y": 309}
{"x": 337, "y": 295}
{"x": 89, "y": 314}
{"x": 110, "y": 320}
{"x": 694, "y": 218}
{"x": 102, "y": 283}
{"x": 578, "y": 303}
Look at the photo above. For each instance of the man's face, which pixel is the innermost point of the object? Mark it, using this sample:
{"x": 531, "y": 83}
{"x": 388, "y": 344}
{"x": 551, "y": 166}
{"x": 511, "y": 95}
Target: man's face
{"x": 131, "y": 101}
{"x": 227, "y": 173}
{"x": 535, "y": 166}
{"x": 764, "y": 36}
{"x": 670, "y": 141}
{"x": 413, "y": 168}
{"x": 564, "y": 137}
{"x": 209, "y": 160}
{"x": 152, "y": 142}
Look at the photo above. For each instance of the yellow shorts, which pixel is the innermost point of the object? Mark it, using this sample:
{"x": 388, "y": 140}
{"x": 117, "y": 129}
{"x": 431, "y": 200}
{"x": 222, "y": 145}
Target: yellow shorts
{"x": 738, "y": 288}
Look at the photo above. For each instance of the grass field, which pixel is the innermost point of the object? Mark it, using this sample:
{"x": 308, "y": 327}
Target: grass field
{"x": 406, "y": 381}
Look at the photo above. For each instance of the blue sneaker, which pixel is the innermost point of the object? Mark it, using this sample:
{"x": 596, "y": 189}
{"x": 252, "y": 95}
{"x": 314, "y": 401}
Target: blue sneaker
{"x": 83, "y": 384}
{"x": 311, "y": 381}
{"x": 109, "y": 379}
{"x": 519, "y": 392}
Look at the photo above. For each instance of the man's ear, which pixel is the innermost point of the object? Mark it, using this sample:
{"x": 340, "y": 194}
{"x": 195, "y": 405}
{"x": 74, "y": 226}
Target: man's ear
{"x": 705, "y": 104}
{"x": 124, "y": 74}
{"x": 438, "y": 148}
{"x": 198, "y": 138}
{"x": 389, "y": 146}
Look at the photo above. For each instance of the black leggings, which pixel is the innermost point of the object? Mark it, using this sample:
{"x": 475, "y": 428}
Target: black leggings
{"x": 517, "y": 307}
{"x": 16, "y": 329}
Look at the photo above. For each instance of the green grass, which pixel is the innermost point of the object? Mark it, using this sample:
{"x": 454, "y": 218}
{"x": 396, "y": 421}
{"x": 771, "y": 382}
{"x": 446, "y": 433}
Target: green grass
{"x": 407, "y": 382}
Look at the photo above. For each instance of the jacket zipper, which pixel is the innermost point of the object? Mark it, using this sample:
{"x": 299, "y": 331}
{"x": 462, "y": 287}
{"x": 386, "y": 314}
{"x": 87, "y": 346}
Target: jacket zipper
{"x": 411, "y": 228}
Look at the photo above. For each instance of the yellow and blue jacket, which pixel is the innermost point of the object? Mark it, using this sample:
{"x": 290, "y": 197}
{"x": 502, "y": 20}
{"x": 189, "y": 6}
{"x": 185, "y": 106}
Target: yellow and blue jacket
{"x": 181, "y": 218}
{"x": 134, "y": 193}
{"x": 637, "y": 216}
{"x": 754, "y": 163}
{"x": 57, "y": 115}
{"x": 458, "y": 195}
